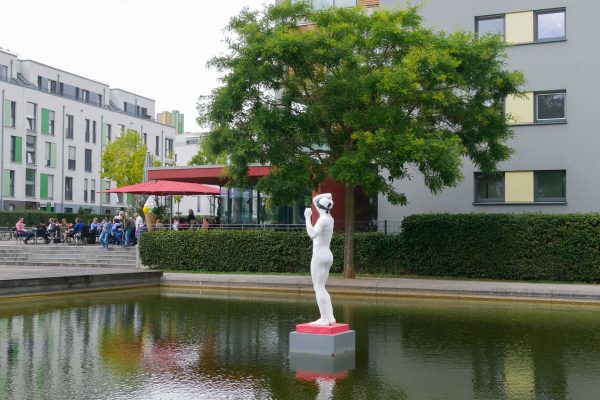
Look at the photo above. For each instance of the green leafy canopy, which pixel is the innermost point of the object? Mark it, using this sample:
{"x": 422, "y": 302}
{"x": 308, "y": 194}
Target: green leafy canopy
{"x": 362, "y": 98}
{"x": 123, "y": 159}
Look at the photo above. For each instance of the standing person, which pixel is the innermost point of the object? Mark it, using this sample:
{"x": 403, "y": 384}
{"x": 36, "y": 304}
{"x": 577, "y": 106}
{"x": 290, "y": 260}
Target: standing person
{"x": 21, "y": 231}
{"x": 105, "y": 232}
{"x": 191, "y": 217}
{"x": 139, "y": 226}
{"x": 129, "y": 228}
{"x": 117, "y": 231}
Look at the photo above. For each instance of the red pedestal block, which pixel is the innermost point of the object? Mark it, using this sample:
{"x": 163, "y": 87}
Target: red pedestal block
{"x": 332, "y": 329}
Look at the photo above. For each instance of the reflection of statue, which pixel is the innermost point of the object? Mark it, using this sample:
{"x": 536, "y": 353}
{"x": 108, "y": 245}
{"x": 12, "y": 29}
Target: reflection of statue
{"x": 322, "y": 259}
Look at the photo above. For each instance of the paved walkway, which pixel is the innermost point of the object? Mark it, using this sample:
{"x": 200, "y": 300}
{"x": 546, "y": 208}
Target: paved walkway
{"x": 393, "y": 287}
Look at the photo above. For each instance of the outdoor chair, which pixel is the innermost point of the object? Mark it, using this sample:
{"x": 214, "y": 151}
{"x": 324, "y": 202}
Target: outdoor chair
{"x": 18, "y": 238}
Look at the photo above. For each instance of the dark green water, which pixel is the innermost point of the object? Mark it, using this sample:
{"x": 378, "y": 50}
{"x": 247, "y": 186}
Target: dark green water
{"x": 173, "y": 344}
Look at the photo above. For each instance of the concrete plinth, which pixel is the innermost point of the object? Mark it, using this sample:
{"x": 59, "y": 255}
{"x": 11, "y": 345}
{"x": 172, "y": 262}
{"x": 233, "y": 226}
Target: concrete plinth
{"x": 322, "y": 340}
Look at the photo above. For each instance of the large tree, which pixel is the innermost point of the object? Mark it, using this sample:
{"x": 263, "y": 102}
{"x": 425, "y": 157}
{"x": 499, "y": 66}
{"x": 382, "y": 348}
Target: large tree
{"x": 359, "y": 97}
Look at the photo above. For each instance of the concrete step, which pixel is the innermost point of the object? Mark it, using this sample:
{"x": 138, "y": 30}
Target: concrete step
{"x": 73, "y": 264}
{"x": 9, "y": 261}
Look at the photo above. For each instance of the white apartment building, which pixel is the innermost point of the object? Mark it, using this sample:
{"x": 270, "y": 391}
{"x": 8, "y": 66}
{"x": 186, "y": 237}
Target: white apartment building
{"x": 55, "y": 125}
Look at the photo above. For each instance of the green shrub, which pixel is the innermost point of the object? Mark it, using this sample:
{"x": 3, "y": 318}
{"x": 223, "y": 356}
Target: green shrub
{"x": 34, "y": 217}
{"x": 503, "y": 246}
{"x": 261, "y": 251}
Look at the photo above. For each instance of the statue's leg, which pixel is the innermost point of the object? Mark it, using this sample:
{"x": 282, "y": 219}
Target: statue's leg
{"x": 320, "y": 273}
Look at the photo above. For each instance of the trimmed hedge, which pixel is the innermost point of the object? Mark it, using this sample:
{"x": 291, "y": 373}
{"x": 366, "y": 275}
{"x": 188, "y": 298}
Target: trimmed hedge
{"x": 34, "y": 217}
{"x": 503, "y": 246}
{"x": 261, "y": 251}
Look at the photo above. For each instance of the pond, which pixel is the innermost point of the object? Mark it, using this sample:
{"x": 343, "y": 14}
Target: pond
{"x": 165, "y": 343}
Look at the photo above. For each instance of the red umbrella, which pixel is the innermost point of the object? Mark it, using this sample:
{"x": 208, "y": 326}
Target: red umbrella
{"x": 165, "y": 188}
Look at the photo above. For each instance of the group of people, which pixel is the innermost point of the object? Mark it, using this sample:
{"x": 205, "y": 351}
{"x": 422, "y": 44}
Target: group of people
{"x": 120, "y": 230}
{"x": 189, "y": 222}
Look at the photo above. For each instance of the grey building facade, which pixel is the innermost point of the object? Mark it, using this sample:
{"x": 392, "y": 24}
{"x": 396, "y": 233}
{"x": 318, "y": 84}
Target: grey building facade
{"x": 556, "y": 139}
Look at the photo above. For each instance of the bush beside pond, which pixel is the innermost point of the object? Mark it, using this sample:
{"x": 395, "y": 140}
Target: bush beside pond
{"x": 262, "y": 251}
{"x": 479, "y": 246}
{"x": 503, "y": 246}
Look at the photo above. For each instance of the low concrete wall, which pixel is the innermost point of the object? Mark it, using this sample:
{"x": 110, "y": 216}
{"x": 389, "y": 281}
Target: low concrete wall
{"x": 77, "y": 283}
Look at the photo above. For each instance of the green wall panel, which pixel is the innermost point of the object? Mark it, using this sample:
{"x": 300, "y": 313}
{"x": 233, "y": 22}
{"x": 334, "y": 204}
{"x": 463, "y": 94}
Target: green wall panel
{"x": 45, "y": 121}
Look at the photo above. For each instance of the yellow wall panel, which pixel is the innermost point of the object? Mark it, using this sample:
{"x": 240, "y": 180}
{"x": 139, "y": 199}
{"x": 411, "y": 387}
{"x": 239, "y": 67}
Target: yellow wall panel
{"x": 519, "y": 27}
{"x": 518, "y": 187}
{"x": 520, "y": 108}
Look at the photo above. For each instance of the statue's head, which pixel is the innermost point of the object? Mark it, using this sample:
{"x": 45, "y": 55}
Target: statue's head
{"x": 323, "y": 202}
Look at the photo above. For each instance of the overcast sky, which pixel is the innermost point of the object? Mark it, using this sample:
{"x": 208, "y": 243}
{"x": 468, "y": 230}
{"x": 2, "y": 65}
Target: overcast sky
{"x": 154, "y": 48}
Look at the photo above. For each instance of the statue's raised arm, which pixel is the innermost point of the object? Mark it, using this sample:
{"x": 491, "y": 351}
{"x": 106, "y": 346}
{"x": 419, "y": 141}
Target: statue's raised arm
{"x": 322, "y": 259}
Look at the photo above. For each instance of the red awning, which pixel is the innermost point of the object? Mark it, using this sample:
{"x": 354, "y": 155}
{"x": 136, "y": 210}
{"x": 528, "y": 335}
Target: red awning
{"x": 164, "y": 188}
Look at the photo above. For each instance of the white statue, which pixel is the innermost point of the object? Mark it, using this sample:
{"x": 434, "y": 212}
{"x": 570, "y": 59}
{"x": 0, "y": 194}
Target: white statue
{"x": 322, "y": 259}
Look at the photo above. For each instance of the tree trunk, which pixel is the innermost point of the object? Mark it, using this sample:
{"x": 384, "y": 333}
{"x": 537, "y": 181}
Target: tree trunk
{"x": 349, "y": 234}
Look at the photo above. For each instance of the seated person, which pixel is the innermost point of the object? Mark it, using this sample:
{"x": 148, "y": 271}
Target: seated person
{"x": 158, "y": 225}
{"x": 94, "y": 226}
{"x": 77, "y": 228}
{"x": 22, "y": 232}
{"x": 42, "y": 232}
{"x": 53, "y": 228}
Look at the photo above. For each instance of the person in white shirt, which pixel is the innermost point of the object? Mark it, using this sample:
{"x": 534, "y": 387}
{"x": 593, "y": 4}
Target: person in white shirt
{"x": 139, "y": 225}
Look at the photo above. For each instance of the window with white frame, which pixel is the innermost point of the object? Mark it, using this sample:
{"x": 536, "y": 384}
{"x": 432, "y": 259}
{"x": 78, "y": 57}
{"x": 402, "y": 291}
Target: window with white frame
{"x": 31, "y": 110}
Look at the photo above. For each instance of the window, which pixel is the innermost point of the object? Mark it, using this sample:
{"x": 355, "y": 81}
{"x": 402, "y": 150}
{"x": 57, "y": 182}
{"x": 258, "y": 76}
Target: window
{"x": 93, "y": 131}
{"x": 16, "y": 149}
{"x": 69, "y": 210}
{"x": 88, "y": 160}
{"x": 489, "y": 187}
{"x": 192, "y": 141}
{"x": 550, "y": 106}
{"x": 31, "y": 110}
{"x": 47, "y": 121}
{"x": 120, "y": 198}
{"x": 157, "y": 146}
{"x": 30, "y": 182}
{"x": 521, "y": 187}
{"x": 169, "y": 148}
{"x": 85, "y": 190}
{"x": 71, "y": 160}
{"x": 93, "y": 191}
{"x": 492, "y": 25}
{"x": 87, "y": 130}
{"x": 550, "y": 25}
{"x": 106, "y": 134}
{"x": 85, "y": 95}
{"x": 145, "y": 136}
{"x": 30, "y": 146}
{"x": 50, "y": 154}
{"x": 320, "y": 4}
{"x": 9, "y": 183}
{"x": 10, "y": 111}
{"x": 105, "y": 196}
{"x": 70, "y": 127}
{"x": 3, "y": 72}
{"x": 47, "y": 85}
{"x": 68, "y": 188}
{"x": 46, "y": 186}
{"x": 550, "y": 186}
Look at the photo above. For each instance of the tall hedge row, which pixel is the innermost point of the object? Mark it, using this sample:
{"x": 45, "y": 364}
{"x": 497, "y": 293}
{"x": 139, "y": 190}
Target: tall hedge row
{"x": 480, "y": 246}
{"x": 261, "y": 251}
{"x": 503, "y": 246}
